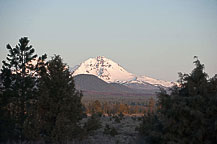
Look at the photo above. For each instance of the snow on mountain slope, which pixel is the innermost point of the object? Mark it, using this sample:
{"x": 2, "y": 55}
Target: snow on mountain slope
{"x": 155, "y": 81}
{"x": 105, "y": 69}
{"x": 72, "y": 69}
{"x": 112, "y": 72}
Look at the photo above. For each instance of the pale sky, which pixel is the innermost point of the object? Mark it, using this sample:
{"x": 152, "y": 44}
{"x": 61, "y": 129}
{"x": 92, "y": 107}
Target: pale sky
{"x": 156, "y": 38}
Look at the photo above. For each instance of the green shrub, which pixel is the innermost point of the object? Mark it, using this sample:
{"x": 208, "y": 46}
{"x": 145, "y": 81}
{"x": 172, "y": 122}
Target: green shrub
{"x": 92, "y": 124}
{"x": 117, "y": 119}
{"x": 110, "y": 131}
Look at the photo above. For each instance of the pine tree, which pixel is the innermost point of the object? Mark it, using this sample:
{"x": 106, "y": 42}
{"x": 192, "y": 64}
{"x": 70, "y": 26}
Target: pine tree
{"x": 151, "y": 105}
{"x": 59, "y": 105}
{"x": 183, "y": 113}
{"x": 188, "y": 114}
{"x": 18, "y": 88}
{"x": 96, "y": 108}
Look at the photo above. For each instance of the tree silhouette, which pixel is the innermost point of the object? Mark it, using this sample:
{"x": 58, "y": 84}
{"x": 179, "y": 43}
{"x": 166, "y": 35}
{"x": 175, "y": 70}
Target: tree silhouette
{"x": 59, "y": 105}
{"x": 18, "y": 88}
{"x": 188, "y": 114}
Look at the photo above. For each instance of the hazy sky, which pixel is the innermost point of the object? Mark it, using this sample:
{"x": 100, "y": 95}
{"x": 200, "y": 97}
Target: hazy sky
{"x": 157, "y": 38}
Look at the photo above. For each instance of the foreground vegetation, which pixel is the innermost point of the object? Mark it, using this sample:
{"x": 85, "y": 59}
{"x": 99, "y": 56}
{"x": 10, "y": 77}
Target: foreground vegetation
{"x": 188, "y": 114}
{"x": 39, "y": 103}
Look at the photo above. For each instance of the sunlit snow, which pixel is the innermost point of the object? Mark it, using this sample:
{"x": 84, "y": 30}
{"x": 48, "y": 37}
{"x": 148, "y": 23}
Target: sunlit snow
{"x": 110, "y": 71}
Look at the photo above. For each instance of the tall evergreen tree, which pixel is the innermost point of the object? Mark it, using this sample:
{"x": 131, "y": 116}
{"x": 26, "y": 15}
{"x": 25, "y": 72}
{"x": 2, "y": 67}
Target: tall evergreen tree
{"x": 59, "y": 105}
{"x": 189, "y": 113}
{"x": 18, "y": 88}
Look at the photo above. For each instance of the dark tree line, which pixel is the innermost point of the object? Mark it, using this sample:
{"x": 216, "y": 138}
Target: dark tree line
{"x": 186, "y": 116}
{"x": 38, "y": 99}
{"x": 117, "y": 108}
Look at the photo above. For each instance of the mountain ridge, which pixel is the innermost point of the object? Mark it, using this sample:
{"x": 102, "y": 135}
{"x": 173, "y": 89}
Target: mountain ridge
{"x": 87, "y": 82}
{"x": 112, "y": 72}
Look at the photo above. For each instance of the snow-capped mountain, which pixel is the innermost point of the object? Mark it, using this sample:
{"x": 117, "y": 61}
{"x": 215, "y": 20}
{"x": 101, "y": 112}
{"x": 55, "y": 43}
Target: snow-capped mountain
{"x": 112, "y": 72}
{"x": 105, "y": 69}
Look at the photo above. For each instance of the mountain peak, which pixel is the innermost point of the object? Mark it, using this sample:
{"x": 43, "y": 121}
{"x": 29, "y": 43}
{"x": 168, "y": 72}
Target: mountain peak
{"x": 112, "y": 72}
{"x": 100, "y": 57}
{"x": 105, "y": 69}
